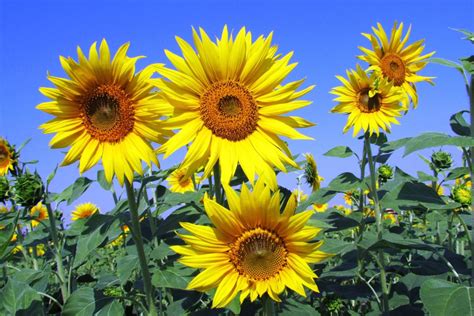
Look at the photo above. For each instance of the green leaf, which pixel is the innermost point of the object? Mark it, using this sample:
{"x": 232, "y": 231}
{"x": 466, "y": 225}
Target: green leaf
{"x": 321, "y": 196}
{"x": 423, "y": 177}
{"x": 340, "y": 152}
{"x": 173, "y": 277}
{"x": 173, "y": 198}
{"x": 161, "y": 252}
{"x": 441, "y": 297}
{"x": 102, "y": 181}
{"x": 80, "y": 303}
{"x": 427, "y": 140}
{"x": 469, "y": 34}
{"x": 457, "y": 173}
{"x": 459, "y": 124}
{"x": 86, "y": 245}
{"x": 344, "y": 182}
{"x": 16, "y": 296}
{"x": 51, "y": 176}
{"x": 447, "y": 63}
{"x": 74, "y": 191}
{"x": 125, "y": 267}
{"x": 468, "y": 64}
{"x": 113, "y": 308}
{"x": 294, "y": 308}
{"x": 394, "y": 145}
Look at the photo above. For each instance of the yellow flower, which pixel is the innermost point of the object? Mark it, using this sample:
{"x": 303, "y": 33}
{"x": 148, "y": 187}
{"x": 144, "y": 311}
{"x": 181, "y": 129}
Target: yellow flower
{"x": 320, "y": 208}
{"x": 14, "y": 237}
{"x": 394, "y": 61}
{"x": 84, "y": 210}
{"x": 40, "y": 250}
{"x": 121, "y": 238}
{"x": 252, "y": 248}
{"x": 371, "y": 102}
{"x": 17, "y": 249}
{"x": 38, "y": 213}
{"x": 3, "y": 209}
{"x": 105, "y": 111}
{"x": 180, "y": 182}
{"x": 300, "y": 195}
{"x": 390, "y": 217}
{"x": 6, "y": 157}
{"x": 349, "y": 196}
{"x": 228, "y": 100}
{"x": 311, "y": 172}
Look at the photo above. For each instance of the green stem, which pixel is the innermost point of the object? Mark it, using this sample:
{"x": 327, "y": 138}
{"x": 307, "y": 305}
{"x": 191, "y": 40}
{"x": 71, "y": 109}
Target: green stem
{"x": 464, "y": 226}
{"x": 471, "y": 104}
{"x": 268, "y": 306}
{"x": 378, "y": 219}
{"x": 137, "y": 237}
{"x": 217, "y": 183}
{"x": 57, "y": 254}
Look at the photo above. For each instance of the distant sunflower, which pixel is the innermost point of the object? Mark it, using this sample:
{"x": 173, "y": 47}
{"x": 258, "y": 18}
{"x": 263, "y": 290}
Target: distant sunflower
{"x": 40, "y": 250}
{"x": 84, "y": 210}
{"x": 396, "y": 62}
{"x": 320, "y": 208}
{"x": 228, "y": 101}
{"x": 180, "y": 182}
{"x": 38, "y": 214}
{"x": 311, "y": 174}
{"x": 7, "y": 159}
{"x": 253, "y": 249}
{"x": 371, "y": 102}
{"x": 105, "y": 111}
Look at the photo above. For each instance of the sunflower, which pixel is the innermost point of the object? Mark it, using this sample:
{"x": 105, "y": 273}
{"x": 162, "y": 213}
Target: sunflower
{"x": 180, "y": 182}
{"x": 300, "y": 195}
{"x": 7, "y": 157}
{"x": 320, "y": 208}
{"x": 311, "y": 174}
{"x": 371, "y": 102}
{"x": 253, "y": 249}
{"x": 40, "y": 250}
{"x": 105, "y": 111}
{"x": 228, "y": 101}
{"x": 38, "y": 214}
{"x": 396, "y": 62}
{"x": 84, "y": 210}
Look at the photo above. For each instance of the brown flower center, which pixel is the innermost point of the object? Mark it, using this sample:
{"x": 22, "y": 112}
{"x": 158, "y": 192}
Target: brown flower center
{"x": 4, "y": 154}
{"x": 369, "y": 104}
{"x": 258, "y": 254}
{"x": 229, "y": 110}
{"x": 394, "y": 68}
{"x": 107, "y": 113}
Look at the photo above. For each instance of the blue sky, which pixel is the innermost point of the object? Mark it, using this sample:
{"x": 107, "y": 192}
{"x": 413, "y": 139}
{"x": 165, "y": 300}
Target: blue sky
{"x": 323, "y": 34}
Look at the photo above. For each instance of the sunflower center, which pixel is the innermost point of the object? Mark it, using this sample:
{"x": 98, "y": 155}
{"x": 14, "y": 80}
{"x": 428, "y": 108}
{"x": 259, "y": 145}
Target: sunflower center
{"x": 369, "y": 104}
{"x": 4, "y": 155}
{"x": 394, "y": 68}
{"x": 228, "y": 109}
{"x": 107, "y": 113}
{"x": 258, "y": 254}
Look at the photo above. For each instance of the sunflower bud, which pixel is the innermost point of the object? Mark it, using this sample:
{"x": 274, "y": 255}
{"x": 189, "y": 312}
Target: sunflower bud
{"x": 462, "y": 194}
{"x": 385, "y": 173}
{"x": 28, "y": 189}
{"x": 441, "y": 160}
{"x": 4, "y": 189}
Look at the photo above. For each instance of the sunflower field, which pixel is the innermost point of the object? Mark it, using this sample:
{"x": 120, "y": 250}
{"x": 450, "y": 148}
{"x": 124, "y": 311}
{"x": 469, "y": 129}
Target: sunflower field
{"x": 218, "y": 233}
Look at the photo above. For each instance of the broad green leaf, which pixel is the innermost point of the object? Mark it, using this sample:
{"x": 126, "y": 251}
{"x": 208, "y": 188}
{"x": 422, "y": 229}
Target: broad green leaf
{"x": 344, "y": 182}
{"x": 125, "y": 267}
{"x": 441, "y": 298}
{"x": 294, "y": 308}
{"x": 80, "y": 303}
{"x": 394, "y": 145}
{"x": 427, "y": 140}
{"x": 74, "y": 191}
{"x": 114, "y": 308}
{"x": 458, "y": 173}
{"x": 173, "y": 198}
{"x": 86, "y": 245}
{"x": 423, "y": 177}
{"x": 469, "y": 34}
{"x": 173, "y": 277}
{"x": 17, "y": 295}
{"x": 102, "y": 181}
{"x": 161, "y": 252}
{"x": 321, "y": 196}
{"x": 468, "y": 64}
{"x": 459, "y": 124}
{"x": 340, "y": 152}
{"x": 448, "y": 63}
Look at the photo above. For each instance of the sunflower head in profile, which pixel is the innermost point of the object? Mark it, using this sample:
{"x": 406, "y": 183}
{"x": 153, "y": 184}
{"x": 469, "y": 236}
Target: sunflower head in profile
{"x": 252, "y": 248}
{"x": 7, "y": 157}
{"x": 38, "y": 214}
{"x": 84, "y": 210}
{"x": 372, "y": 102}
{"x": 105, "y": 111}
{"x": 396, "y": 61}
{"x": 311, "y": 174}
{"x": 229, "y": 101}
{"x": 180, "y": 182}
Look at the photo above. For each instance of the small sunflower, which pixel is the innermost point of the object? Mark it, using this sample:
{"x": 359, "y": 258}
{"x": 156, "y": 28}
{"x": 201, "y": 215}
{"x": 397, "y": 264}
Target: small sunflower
{"x": 311, "y": 174}
{"x": 40, "y": 250}
{"x": 105, "y": 111}
{"x": 7, "y": 157}
{"x": 348, "y": 197}
{"x": 84, "y": 210}
{"x": 180, "y": 181}
{"x": 38, "y": 214}
{"x": 228, "y": 100}
{"x": 371, "y": 102}
{"x": 320, "y": 208}
{"x": 300, "y": 195}
{"x": 396, "y": 62}
{"x": 252, "y": 248}
{"x": 120, "y": 240}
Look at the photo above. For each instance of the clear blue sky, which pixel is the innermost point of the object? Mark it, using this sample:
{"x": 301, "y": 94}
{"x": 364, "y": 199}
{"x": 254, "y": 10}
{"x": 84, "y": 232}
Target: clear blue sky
{"x": 323, "y": 34}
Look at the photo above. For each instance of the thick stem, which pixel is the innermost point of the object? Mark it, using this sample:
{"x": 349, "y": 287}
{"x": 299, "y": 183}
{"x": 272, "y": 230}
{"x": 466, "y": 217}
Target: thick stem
{"x": 471, "y": 104}
{"x": 217, "y": 183}
{"x": 137, "y": 237}
{"x": 378, "y": 219}
{"x": 57, "y": 254}
{"x": 268, "y": 306}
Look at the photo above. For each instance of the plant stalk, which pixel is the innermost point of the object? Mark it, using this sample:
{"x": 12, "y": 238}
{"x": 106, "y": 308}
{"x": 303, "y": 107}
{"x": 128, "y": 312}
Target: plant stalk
{"x": 217, "y": 183}
{"x": 137, "y": 237}
{"x": 470, "y": 89}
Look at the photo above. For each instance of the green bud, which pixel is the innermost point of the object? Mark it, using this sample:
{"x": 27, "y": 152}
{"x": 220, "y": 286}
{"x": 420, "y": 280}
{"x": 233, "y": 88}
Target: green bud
{"x": 462, "y": 194}
{"x": 4, "y": 189}
{"x": 385, "y": 173}
{"x": 441, "y": 160}
{"x": 113, "y": 291}
{"x": 28, "y": 189}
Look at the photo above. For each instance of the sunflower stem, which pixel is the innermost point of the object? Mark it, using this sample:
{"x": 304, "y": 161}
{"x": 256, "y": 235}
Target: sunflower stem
{"x": 217, "y": 183}
{"x": 57, "y": 254}
{"x": 268, "y": 306}
{"x": 378, "y": 219}
{"x": 471, "y": 104}
{"x": 137, "y": 237}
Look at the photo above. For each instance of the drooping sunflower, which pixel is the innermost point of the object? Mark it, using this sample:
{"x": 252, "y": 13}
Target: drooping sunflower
{"x": 38, "y": 213}
{"x": 396, "y": 61}
{"x": 252, "y": 248}
{"x": 311, "y": 174}
{"x": 320, "y": 208}
{"x": 371, "y": 102}
{"x": 7, "y": 157}
{"x": 84, "y": 210}
{"x": 180, "y": 182}
{"x": 105, "y": 111}
{"x": 228, "y": 100}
